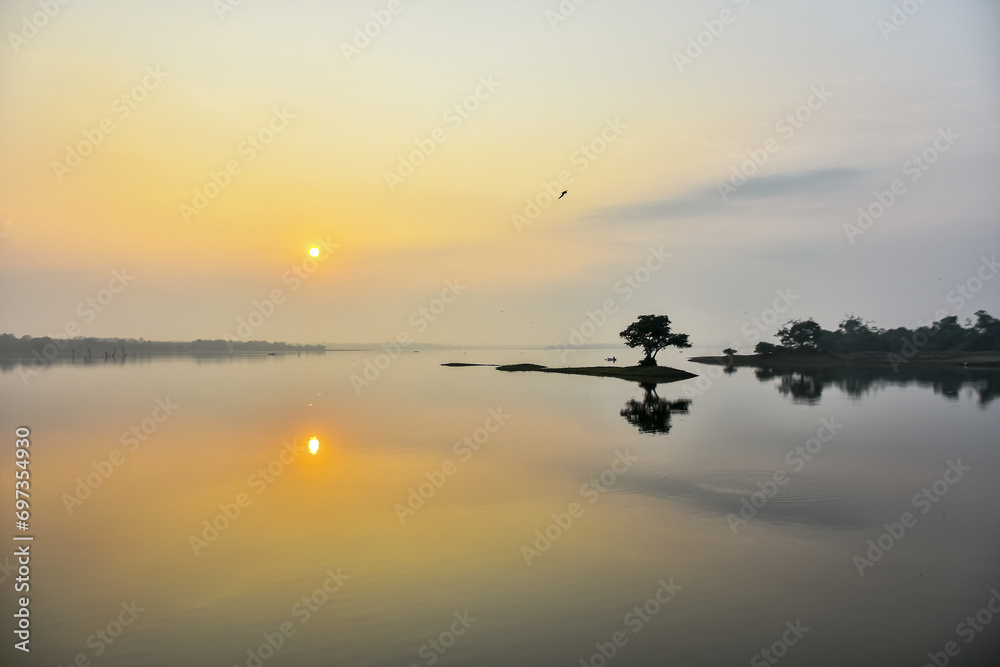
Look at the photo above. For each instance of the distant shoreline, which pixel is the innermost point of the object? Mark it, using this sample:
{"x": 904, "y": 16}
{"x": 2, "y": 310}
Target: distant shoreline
{"x": 47, "y": 349}
{"x": 826, "y": 360}
{"x": 9, "y": 355}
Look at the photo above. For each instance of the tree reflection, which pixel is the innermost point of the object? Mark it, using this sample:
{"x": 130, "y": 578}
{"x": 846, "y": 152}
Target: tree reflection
{"x": 806, "y": 385}
{"x": 802, "y": 387}
{"x": 652, "y": 414}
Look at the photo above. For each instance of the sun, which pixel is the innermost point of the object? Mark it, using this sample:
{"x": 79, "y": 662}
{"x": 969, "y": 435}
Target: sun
{"x": 314, "y": 251}
{"x": 313, "y": 445}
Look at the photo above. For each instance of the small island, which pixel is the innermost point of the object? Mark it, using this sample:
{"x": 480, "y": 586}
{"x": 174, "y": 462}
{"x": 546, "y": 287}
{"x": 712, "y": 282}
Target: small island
{"x": 650, "y": 332}
{"x": 642, "y": 374}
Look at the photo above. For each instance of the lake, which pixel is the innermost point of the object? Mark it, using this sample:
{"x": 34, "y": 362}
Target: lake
{"x": 465, "y": 516}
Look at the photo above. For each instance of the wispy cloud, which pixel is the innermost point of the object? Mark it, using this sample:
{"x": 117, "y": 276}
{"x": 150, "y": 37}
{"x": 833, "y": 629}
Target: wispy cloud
{"x": 707, "y": 201}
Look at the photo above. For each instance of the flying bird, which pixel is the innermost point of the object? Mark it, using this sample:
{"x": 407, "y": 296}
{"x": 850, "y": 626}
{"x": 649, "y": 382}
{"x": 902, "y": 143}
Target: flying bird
{"x": 563, "y": 194}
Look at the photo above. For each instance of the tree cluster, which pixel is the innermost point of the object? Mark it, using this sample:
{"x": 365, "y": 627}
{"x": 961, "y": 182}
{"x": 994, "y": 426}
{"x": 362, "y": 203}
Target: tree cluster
{"x": 857, "y": 335}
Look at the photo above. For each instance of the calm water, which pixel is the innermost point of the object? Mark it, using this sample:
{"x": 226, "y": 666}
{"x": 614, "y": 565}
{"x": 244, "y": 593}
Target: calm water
{"x": 640, "y": 481}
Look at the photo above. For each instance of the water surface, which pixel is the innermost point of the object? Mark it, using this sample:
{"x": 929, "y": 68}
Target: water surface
{"x": 647, "y": 484}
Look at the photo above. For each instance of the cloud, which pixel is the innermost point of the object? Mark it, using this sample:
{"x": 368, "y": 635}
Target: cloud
{"x": 707, "y": 200}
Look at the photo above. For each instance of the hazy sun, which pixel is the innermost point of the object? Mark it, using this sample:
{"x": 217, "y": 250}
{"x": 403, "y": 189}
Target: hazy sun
{"x": 313, "y": 446}
{"x": 314, "y": 252}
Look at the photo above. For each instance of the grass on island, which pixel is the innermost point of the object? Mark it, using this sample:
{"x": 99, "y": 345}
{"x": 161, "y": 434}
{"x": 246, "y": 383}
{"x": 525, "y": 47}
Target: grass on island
{"x": 633, "y": 373}
{"x": 651, "y": 374}
{"x": 461, "y": 364}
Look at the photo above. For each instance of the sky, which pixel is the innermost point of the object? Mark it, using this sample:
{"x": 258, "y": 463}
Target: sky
{"x": 166, "y": 166}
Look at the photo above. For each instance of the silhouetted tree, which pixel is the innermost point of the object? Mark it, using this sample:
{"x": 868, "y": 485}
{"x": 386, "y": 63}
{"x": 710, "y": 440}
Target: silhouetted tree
{"x": 854, "y": 334}
{"x": 766, "y": 348}
{"x": 801, "y": 334}
{"x": 729, "y": 352}
{"x": 948, "y": 334}
{"x": 987, "y": 332}
{"x": 652, "y": 334}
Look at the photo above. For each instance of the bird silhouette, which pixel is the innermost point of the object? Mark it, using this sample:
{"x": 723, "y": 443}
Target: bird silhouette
{"x": 563, "y": 194}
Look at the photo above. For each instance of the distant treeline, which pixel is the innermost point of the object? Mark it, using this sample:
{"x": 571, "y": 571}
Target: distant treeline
{"x": 48, "y": 347}
{"x": 857, "y": 335}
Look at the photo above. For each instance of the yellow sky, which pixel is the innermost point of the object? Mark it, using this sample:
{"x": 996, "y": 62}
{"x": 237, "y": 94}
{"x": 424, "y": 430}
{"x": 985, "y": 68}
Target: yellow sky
{"x": 165, "y": 97}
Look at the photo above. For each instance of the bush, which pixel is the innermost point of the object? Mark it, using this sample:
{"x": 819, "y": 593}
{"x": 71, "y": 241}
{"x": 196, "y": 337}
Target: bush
{"x": 766, "y": 348}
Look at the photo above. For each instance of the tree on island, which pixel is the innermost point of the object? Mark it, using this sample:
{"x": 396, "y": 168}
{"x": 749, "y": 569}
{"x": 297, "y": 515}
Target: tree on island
{"x": 652, "y": 334}
{"x": 801, "y": 334}
{"x": 729, "y": 352}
